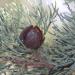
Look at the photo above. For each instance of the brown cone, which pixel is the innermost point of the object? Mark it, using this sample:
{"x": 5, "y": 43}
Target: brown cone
{"x": 32, "y": 37}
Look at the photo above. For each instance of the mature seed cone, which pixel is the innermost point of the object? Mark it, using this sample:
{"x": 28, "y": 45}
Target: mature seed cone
{"x": 32, "y": 37}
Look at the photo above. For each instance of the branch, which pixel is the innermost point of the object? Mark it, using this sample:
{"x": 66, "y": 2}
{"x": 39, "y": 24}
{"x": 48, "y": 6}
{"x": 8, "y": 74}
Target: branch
{"x": 26, "y": 63}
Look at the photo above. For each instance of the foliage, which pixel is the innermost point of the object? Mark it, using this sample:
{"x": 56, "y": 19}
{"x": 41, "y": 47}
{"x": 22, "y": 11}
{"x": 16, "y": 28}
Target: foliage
{"x": 42, "y": 15}
{"x": 65, "y": 40}
{"x": 13, "y": 19}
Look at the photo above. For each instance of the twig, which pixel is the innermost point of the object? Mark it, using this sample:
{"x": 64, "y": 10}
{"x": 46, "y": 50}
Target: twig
{"x": 27, "y": 63}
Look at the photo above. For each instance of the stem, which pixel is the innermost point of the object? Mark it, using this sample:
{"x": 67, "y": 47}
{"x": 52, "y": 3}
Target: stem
{"x": 27, "y": 63}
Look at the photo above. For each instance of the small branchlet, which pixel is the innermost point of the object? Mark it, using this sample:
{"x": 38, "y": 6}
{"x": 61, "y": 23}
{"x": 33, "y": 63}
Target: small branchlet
{"x": 43, "y": 17}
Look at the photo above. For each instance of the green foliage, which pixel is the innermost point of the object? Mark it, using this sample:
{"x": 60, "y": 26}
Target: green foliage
{"x": 13, "y": 19}
{"x": 65, "y": 40}
{"x": 43, "y": 15}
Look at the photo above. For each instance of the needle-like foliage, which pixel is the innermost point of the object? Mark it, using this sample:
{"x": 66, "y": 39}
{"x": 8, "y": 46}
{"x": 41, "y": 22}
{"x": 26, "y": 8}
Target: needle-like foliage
{"x": 14, "y": 56}
{"x": 65, "y": 42}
